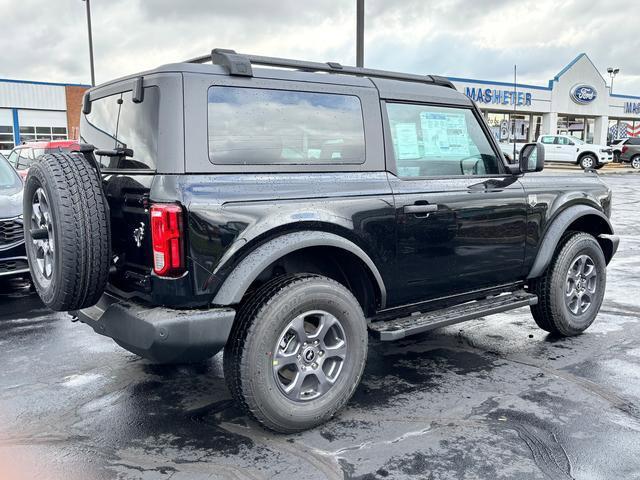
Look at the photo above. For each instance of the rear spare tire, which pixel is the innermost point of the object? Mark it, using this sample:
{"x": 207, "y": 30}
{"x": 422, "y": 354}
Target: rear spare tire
{"x": 66, "y": 226}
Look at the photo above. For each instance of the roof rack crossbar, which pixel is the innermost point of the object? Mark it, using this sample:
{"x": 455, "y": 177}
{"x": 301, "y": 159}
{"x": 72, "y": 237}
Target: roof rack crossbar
{"x": 230, "y": 57}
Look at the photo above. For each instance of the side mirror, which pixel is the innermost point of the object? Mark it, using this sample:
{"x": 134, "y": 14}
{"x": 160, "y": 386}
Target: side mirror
{"x": 531, "y": 157}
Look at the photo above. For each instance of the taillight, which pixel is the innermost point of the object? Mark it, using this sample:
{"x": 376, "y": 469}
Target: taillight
{"x": 166, "y": 238}
{"x": 624, "y": 149}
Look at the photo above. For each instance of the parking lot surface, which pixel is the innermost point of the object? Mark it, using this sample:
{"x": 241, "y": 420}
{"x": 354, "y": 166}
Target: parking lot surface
{"x": 496, "y": 399}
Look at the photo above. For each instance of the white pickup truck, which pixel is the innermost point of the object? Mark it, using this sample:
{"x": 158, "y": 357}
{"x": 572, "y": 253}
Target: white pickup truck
{"x": 568, "y": 149}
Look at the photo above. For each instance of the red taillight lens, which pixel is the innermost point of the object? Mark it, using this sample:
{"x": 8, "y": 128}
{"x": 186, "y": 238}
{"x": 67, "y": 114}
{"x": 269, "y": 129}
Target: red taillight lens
{"x": 166, "y": 238}
{"x": 624, "y": 149}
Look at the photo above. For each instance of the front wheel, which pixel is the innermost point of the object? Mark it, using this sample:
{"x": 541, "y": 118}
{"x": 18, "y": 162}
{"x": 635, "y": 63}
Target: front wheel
{"x": 588, "y": 161}
{"x": 296, "y": 352}
{"x": 571, "y": 290}
{"x": 635, "y": 162}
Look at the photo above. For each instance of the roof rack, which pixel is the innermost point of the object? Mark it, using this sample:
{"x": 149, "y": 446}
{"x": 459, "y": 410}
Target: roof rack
{"x": 240, "y": 64}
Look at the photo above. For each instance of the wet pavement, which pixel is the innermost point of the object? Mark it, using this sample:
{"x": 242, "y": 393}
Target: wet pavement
{"x": 489, "y": 399}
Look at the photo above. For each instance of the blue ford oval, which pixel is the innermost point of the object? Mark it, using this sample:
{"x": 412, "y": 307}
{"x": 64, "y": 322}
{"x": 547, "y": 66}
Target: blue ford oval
{"x": 583, "y": 94}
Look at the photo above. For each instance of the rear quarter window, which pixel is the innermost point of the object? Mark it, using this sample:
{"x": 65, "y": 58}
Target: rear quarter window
{"x": 252, "y": 126}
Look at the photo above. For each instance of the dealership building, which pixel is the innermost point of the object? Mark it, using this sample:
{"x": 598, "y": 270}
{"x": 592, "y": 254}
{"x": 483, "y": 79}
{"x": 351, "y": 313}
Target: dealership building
{"x": 577, "y": 101}
{"x": 38, "y": 111}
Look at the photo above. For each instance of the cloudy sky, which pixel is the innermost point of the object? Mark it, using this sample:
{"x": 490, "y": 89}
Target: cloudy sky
{"x": 47, "y": 39}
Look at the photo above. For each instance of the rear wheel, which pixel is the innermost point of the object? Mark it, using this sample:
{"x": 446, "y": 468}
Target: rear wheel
{"x": 571, "y": 290}
{"x": 66, "y": 231}
{"x": 297, "y": 351}
{"x": 588, "y": 161}
{"x": 635, "y": 162}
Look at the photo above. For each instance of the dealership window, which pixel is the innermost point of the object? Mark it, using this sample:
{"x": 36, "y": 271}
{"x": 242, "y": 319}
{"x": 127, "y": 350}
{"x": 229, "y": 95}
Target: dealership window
{"x": 509, "y": 127}
{"x": 619, "y": 129}
{"x": 439, "y": 141}
{"x": 6, "y": 137}
{"x": 30, "y": 134}
{"x": 578, "y": 127}
{"x": 261, "y": 126}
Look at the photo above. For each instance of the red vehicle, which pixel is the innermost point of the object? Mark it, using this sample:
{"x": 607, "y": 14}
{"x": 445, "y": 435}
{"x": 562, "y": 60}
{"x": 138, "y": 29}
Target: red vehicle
{"x": 22, "y": 156}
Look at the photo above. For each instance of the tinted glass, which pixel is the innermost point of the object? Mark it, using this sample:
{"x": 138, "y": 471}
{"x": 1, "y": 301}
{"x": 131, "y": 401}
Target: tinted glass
{"x": 548, "y": 139}
{"x": 260, "y": 126}
{"x": 439, "y": 141}
{"x": 633, "y": 141}
{"x": 117, "y": 122}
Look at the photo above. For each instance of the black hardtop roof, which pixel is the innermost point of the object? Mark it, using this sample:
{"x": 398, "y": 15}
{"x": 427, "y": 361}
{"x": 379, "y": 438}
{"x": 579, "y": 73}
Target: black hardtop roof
{"x": 389, "y": 84}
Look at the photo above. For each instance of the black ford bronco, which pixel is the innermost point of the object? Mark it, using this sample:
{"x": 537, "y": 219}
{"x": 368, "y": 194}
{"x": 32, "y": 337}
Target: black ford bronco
{"x": 284, "y": 213}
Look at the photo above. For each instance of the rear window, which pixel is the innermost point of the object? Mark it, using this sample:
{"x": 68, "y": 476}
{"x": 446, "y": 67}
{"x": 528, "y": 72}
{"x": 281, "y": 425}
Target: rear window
{"x": 250, "y": 126}
{"x": 117, "y": 122}
{"x": 633, "y": 141}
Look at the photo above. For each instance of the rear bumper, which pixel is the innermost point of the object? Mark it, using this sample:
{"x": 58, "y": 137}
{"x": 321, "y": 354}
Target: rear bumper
{"x": 160, "y": 334}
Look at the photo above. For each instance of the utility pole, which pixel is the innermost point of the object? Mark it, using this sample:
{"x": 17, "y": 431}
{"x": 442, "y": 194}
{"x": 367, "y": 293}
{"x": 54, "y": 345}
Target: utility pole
{"x": 93, "y": 75}
{"x": 359, "y": 33}
{"x": 515, "y": 103}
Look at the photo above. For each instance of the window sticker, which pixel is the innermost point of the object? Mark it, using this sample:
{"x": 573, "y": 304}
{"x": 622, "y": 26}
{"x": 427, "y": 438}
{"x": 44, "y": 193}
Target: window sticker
{"x": 444, "y": 134}
{"x": 407, "y": 141}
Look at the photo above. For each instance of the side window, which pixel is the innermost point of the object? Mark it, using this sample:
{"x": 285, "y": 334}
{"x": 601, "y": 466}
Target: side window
{"x": 564, "y": 141}
{"x": 282, "y": 127}
{"x": 439, "y": 141}
{"x": 633, "y": 141}
{"x": 13, "y": 158}
{"x": 548, "y": 139}
{"x": 26, "y": 159}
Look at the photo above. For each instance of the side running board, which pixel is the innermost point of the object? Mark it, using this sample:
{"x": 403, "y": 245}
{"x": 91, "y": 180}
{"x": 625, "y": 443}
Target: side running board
{"x": 422, "y": 322}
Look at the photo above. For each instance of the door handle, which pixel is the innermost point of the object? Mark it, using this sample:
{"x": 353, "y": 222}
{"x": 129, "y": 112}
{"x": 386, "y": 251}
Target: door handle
{"x": 425, "y": 208}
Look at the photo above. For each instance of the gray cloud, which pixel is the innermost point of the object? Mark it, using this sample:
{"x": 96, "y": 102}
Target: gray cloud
{"x": 473, "y": 38}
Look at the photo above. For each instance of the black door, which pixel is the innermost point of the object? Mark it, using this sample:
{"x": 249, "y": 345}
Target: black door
{"x": 461, "y": 218}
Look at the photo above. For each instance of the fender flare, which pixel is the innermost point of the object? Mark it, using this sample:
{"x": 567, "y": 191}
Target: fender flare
{"x": 240, "y": 279}
{"x": 554, "y": 233}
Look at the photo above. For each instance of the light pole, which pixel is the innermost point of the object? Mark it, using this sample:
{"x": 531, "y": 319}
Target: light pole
{"x": 612, "y": 73}
{"x": 93, "y": 75}
{"x": 360, "y": 33}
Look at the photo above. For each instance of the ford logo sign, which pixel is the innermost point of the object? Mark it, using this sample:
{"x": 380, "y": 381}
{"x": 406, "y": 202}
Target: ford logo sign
{"x": 583, "y": 94}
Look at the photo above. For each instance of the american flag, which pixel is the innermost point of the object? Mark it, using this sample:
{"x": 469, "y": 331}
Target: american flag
{"x": 624, "y": 130}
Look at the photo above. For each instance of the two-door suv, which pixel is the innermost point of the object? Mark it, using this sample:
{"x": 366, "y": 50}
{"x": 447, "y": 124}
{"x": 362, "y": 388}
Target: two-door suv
{"x": 283, "y": 213}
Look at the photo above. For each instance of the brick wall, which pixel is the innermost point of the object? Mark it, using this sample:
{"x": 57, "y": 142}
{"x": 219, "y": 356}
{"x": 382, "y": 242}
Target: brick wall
{"x": 74, "y": 106}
